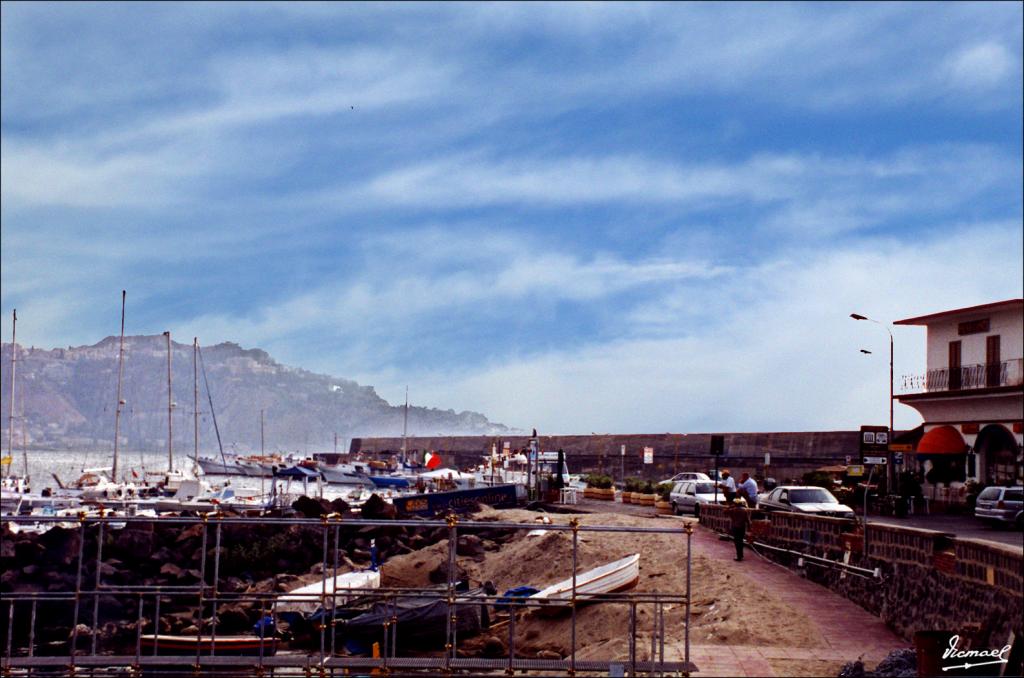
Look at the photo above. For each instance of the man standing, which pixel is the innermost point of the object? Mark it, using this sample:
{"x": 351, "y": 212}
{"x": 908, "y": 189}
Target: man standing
{"x": 748, "y": 490}
{"x": 728, "y": 486}
{"x": 739, "y": 518}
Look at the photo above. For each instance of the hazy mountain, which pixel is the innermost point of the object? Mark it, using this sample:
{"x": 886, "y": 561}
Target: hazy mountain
{"x": 65, "y": 400}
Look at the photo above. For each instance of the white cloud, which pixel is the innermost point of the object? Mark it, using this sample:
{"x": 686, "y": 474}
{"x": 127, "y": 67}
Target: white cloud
{"x": 808, "y": 194}
{"x": 775, "y": 350}
{"x": 387, "y": 303}
{"x": 981, "y": 66}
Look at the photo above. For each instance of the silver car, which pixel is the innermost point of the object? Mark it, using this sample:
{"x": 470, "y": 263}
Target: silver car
{"x": 688, "y": 495}
{"x": 685, "y": 475}
{"x": 1001, "y": 505}
{"x": 804, "y": 499}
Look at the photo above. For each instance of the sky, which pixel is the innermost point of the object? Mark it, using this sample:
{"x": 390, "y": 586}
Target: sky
{"x": 575, "y": 217}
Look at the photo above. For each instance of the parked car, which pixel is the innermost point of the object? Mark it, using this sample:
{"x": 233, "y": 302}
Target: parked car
{"x": 685, "y": 475}
{"x": 1001, "y": 505}
{"x": 688, "y": 495}
{"x": 804, "y": 499}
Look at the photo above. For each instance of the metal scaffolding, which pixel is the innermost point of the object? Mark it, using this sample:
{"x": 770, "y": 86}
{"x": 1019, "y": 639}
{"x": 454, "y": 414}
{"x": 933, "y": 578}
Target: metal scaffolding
{"x": 207, "y": 597}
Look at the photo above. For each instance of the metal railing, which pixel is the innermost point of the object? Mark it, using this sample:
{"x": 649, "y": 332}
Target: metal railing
{"x": 967, "y": 377}
{"x": 83, "y": 654}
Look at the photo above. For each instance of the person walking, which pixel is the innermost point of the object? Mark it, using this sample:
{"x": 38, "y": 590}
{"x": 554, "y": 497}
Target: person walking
{"x": 739, "y": 519}
{"x": 748, "y": 490}
{"x": 728, "y": 486}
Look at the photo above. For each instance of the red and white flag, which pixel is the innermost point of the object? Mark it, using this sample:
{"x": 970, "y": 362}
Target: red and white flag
{"x": 432, "y": 460}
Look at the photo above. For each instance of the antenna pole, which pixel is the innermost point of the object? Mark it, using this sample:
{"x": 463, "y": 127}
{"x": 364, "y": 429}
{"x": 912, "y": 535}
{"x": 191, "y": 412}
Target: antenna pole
{"x": 120, "y": 372}
{"x": 10, "y": 419}
{"x": 170, "y": 406}
{"x": 195, "y": 398}
{"x": 405, "y": 425}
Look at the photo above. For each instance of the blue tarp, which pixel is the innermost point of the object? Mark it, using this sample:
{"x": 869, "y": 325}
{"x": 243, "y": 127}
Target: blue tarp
{"x": 299, "y": 472}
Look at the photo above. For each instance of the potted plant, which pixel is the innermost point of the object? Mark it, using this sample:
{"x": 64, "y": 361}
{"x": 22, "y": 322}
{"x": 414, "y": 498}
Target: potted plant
{"x": 646, "y": 494}
{"x": 629, "y": 486}
{"x": 588, "y": 491}
{"x": 663, "y": 503}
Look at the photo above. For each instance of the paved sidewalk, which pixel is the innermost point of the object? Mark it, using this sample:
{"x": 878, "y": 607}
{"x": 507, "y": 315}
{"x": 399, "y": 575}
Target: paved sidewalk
{"x": 964, "y": 527}
{"x": 848, "y": 630}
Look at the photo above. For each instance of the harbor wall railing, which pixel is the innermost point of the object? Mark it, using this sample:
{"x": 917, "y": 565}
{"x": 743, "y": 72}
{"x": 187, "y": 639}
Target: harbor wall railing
{"x": 926, "y": 580}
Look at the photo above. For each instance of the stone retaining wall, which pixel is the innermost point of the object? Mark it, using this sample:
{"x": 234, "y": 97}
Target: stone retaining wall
{"x": 931, "y": 581}
{"x": 792, "y": 453}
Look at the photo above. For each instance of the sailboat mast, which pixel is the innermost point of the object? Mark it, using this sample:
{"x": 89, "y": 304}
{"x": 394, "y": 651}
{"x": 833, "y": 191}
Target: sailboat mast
{"x": 405, "y": 424}
{"x": 170, "y": 406}
{"x": 262, "y": 447}
{"x": 120, "y": 372}
{"x": 10, "y": 418}
{"x": 195, "y": 397}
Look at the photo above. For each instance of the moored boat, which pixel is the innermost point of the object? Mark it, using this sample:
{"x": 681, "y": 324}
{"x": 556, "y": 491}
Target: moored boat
{"x": 206, "y": 645}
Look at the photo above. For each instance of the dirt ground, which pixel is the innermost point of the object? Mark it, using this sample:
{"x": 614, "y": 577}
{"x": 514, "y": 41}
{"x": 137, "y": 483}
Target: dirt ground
{"x": 727, "y": 608}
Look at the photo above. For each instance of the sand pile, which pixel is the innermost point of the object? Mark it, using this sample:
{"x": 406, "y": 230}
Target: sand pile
{"x": 727, "y": 608}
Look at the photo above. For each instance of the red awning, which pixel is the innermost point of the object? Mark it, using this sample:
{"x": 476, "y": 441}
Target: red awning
{"x": 942, "y": 440}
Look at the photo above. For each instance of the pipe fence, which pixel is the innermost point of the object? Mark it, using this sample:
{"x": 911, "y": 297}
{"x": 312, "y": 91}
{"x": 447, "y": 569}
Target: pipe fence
{"x": 136, "y": 649}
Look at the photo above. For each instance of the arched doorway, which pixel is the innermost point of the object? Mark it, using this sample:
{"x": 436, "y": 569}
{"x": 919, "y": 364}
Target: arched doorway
{"x": 1000, "y": 454}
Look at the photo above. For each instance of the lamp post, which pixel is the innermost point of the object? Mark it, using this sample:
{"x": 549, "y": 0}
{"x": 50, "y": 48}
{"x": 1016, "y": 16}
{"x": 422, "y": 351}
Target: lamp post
{"x": 857, "y": 316}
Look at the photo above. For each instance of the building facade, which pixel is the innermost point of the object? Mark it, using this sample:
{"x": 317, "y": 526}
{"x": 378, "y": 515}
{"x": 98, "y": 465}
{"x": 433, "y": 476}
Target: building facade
{"x": 971, "y": 397}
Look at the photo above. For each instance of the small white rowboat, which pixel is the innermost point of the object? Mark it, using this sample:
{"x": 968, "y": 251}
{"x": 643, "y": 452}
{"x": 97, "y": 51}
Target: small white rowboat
{"x": 617, "y": 576}
{"x": 312, "y": 597}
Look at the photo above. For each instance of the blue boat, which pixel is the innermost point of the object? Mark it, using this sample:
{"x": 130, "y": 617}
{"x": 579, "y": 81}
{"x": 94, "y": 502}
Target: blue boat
{"x": 390, "y": 482}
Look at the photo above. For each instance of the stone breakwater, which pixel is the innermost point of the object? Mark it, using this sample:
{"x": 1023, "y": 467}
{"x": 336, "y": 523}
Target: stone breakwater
{"x": 261, "y": 558}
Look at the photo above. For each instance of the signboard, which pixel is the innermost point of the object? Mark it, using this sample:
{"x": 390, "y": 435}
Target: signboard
{"x": 767, "y": 459}
{"x": 855, "y": 470}
{"x": 874, "y": 440}
{"x": 900, "y": 447}
{"x": 623, "y": 450}
{"x": 849, "y": 460}
{"x": 648, "y": 455}
{"x": 498, "y": 496}
{"x": 875, "y": 460}
{"x": 897, "y": 458}
{"x": 717, "y": 446}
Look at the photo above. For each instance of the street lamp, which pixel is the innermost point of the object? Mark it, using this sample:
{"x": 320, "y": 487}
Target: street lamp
{"x": 857, "y": 316}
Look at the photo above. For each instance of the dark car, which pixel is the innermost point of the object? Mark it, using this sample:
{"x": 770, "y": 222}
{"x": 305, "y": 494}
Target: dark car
{"x": 1001, "y": 505}
{"x": 804, "y": 499}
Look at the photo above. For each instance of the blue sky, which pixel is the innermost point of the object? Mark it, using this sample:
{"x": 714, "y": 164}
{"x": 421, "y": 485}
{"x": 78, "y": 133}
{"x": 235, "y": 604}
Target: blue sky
{"x": 607, "y": 217}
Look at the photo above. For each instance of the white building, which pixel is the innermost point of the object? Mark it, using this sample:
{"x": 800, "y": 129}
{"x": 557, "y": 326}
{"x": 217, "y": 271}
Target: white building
{"x": 971, "y": 397}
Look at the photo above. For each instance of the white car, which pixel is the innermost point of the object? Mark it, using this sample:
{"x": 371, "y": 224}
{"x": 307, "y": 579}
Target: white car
{"x": 804, "y": 499}
{"x": 688, "y": 495}
{"x": 685, "y": 475}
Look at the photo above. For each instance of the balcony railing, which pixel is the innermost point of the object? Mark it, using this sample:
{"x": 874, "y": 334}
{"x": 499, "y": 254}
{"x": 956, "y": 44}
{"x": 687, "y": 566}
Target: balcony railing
{"x": 965, "y": 378}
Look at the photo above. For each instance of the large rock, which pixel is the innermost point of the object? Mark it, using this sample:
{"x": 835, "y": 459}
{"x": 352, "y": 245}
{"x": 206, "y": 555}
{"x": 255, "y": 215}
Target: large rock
{"x": 311, "y": 508}
{"x": 376, "y": 508}
{"x": 439, "y": 575}
{"x": 469, "y": 545}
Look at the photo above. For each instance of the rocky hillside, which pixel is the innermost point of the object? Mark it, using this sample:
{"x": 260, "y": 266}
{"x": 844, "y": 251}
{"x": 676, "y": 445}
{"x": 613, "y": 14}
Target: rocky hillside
{"x": 65, "y": 400}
